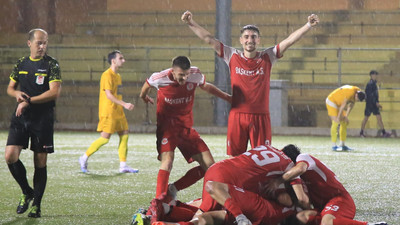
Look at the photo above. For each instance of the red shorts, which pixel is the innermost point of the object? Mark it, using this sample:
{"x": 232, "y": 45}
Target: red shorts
{"x": 341, "y": 207}
{"x": 216, "y": 172}
{"x": 257, "y": 209}
{"x": 245, "y": 126}
{"x": 186, "y": 139}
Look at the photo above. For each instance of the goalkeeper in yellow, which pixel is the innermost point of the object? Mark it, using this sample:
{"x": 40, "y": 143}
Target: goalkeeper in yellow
{"x": 111, "y": 114}
{"x": 339, "y": 104}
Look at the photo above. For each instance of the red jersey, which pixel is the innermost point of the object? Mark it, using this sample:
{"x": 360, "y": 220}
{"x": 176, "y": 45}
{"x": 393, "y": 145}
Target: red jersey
{"x": 250, "y": 78}
{"x": 321, "y": 182}
{"x": 174, "y": 101}
{"x": 255, "y": 167}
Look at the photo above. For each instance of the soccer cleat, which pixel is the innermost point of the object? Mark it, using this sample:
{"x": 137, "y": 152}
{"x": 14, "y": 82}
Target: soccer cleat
{"x": 140, "y": 219}
{"x": 127, "y": 169}
{"x": 156, "y": 210}
{"x": 335, "y": 148}
{"x": 24, "y": 201}
{"x": 83, "y": 164}
{"x": 386, "y": 135}
{"x": 34, "y": 212}
{"x": 242, "y": 220}
{"x": 345, "y": 148}
{"x": 362, "y": 135}
{"x": 172, "y": 191}
{"x": 378, "y": 223}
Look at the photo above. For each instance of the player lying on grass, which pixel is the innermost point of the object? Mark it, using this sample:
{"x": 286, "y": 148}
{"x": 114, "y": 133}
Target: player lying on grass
{"x": 333, "y": 205}
{"x": 234, "y": 185}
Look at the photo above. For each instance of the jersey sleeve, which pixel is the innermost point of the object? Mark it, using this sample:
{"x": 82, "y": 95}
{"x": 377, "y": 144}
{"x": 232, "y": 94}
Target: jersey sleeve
{"x": 273, "y": 53}
{"x": 227, "y": 52}
{"x": 107, "y": 83}
{"x": 55, "y": 73}
{"x": 306, "y": 158}
{"x": 14, "y": 76}
{"x": 196, "y": 76}
{"x": 152, "y": 81}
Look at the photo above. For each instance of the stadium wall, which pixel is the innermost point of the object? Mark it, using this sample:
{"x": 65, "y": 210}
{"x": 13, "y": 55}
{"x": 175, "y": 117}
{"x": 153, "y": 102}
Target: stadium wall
{"x": 270, "y": 5}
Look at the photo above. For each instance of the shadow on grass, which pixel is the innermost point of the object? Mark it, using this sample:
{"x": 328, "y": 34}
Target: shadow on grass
{"x": 96, "y": 176}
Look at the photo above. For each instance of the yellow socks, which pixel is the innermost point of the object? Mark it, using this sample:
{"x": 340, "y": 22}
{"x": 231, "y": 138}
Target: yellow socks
{"x": 334, "y": 131}
{"x": 96, "y": 145}
{"x": 343, "y": 131}
{"x": 123, "y": 147}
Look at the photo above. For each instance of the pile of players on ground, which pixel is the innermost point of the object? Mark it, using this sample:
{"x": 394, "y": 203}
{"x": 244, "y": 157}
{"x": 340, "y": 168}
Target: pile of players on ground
{"x": 261, "y": 186}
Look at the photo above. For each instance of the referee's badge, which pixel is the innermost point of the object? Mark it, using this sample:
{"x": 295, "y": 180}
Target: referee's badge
{"x": 39, "y": 80}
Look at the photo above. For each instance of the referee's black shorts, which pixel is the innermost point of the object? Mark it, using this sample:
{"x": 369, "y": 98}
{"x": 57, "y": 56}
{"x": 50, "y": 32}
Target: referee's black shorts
{"x": 371, "y": 109}
{"x": 38, "y": 126}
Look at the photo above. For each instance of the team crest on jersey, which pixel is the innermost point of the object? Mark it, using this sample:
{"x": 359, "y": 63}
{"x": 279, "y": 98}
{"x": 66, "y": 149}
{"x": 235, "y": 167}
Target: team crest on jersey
{"x": 189, "y": 86}
{"x": 164, "y": 141}
{"x": 40, "y": 80}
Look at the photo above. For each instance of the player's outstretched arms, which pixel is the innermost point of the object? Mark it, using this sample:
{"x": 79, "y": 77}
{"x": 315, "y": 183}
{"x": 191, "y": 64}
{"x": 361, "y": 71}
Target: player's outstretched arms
{"x": 313, "y": 20}
{"x": 212, "y": 89}
{"x": 202, "y": 33}
{"x": 143, "y": 93}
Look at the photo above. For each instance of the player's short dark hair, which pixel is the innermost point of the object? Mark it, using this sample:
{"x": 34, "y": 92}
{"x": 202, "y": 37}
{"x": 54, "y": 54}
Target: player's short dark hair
{"x": 31, "y": 33}
{"x": 292, "y": 151}
{"x": 182, "y": 62}
{"x": 360, "y": 96}
{"x": 112, "y": 55}
{"x": 250, "y": 27}
{"x": 373, "y": 72}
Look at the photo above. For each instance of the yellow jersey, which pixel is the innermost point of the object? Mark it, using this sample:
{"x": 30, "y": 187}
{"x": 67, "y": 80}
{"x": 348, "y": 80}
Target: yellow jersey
{"x": 344, "y": 92}
{"x": 110, "y": 81}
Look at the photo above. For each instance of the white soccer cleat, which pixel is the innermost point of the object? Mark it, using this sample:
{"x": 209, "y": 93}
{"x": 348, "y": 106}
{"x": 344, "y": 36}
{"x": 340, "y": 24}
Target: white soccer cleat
{"x": 172, "y": 191}
{"x": 83, "y": 164}
{"x": 378, "y": 223}
{"x": 127, "y": 169}
{"x": 242, "y": 220}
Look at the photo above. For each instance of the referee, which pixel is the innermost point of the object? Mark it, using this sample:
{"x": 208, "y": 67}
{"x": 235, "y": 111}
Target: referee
{"x": 39, "y": 80}
{"x": 372, "y": 104}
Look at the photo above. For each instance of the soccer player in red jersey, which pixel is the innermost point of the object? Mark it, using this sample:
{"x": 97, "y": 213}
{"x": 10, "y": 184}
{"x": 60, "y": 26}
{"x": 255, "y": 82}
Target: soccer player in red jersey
{"x": 232, "y": 192}
{"x": 175, "y": 96}
{"x": 250, "y": 71}
{"x": 333, "y": 205}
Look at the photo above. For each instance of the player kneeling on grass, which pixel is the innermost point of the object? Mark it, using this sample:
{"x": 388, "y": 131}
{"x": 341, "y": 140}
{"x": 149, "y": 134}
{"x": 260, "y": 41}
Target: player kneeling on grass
{"x": 333, "y": 205}
{"x": 175, "y": 97}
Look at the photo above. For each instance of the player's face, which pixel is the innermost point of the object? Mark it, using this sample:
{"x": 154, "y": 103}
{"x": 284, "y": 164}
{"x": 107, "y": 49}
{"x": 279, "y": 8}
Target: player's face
{"x": 119, "y": 60}
{"x": 249, "y": 40}
{"x": 180, "y": 75}
{"x": 38, "y": 45}
{"x": 374, "y": 76}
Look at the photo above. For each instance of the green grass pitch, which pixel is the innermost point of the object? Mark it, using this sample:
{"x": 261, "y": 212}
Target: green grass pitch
{"x": 104, "y": 196}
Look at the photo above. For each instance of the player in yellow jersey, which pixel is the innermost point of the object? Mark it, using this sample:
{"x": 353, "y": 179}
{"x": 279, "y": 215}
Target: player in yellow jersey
{"x": 339, "y": 104}
{"x": 111, "y": 114}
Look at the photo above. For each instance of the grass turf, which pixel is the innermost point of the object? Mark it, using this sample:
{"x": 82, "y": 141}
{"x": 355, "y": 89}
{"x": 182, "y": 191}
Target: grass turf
{"x": 104, "y": 196}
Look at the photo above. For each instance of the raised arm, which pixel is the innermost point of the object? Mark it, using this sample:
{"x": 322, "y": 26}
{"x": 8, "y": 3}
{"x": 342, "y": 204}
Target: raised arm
{"x": 144, "y": 93}
{"x": 298, "y": 34}
{"x": 126, "y": 105}
{"x": 202, "y": 33}
{"x": 212, "y": 89}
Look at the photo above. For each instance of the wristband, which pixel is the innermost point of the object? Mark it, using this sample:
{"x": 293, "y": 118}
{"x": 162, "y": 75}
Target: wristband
{"x": 309, "y": 24}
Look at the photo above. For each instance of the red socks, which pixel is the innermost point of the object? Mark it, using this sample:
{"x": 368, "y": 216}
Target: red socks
{"x": 162, "y": 182}
{"x": 191, "y": 177}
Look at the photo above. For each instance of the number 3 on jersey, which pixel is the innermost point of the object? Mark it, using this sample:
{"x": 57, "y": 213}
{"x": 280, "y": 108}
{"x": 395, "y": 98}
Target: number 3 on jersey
{"x": 262, "y": 156}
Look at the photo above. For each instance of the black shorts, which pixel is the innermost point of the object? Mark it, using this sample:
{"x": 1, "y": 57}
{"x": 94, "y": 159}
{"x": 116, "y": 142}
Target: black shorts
{"x": 371, "y": 109}
{"x": 38, "y": 126}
